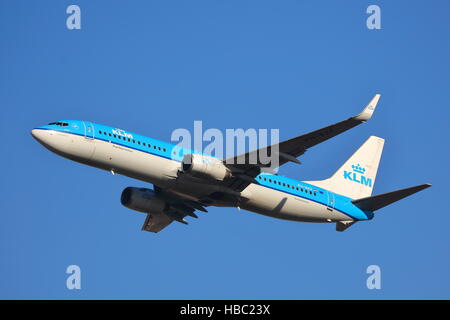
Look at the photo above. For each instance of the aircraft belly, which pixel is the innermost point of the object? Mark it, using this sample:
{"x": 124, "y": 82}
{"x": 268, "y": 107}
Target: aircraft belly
{"x": 192, "y": 189}
{"x": 133, "y": 163}
{"x": 281, "y": 205}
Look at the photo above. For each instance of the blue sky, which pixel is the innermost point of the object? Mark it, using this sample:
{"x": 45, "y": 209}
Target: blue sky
{"x": 154, "y": 66}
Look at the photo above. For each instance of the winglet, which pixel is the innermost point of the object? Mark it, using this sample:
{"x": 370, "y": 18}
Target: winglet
{"x": 366, "y": 114}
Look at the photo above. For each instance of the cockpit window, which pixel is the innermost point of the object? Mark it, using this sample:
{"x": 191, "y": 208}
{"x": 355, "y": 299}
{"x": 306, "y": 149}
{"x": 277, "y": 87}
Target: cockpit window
{"x": 61, "y": 124}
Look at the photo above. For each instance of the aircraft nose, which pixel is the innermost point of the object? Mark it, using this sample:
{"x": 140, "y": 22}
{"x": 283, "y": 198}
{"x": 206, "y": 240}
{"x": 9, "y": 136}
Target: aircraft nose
{"x": 37, "y": 134}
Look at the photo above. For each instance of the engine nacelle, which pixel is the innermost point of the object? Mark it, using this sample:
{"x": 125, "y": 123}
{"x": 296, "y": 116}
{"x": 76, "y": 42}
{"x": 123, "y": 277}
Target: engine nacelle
{"x": 205, "y": 167}
{"x": 143, "y": 200}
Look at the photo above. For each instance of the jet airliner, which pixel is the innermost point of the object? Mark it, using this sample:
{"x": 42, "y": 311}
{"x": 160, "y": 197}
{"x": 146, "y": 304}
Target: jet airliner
{"x": 185, "y": 181}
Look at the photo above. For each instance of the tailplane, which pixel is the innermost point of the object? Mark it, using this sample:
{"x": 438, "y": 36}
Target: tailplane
{"x": 356, "y": 178}
{"x": 382, "y": 200}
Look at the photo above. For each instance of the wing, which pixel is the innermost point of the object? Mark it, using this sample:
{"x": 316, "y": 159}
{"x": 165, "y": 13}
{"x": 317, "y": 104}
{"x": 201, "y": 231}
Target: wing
{"x": 156, "y": 222}
{"x": 289, "y": 150}
{"x": 177, "y": 209}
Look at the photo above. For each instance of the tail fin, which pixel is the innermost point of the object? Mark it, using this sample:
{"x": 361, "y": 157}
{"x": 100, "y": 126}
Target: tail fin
{"x": 382, "y": 200}
{"x": 356, "y": 178}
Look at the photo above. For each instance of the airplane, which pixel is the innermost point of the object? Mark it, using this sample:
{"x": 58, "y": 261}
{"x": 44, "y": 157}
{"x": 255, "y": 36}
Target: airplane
{"x": 185, "y": 181}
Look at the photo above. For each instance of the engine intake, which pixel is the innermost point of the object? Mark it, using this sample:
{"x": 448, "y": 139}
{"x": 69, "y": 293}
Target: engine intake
{"x": 143, "y": 200}
{"x": 204, "y": 167}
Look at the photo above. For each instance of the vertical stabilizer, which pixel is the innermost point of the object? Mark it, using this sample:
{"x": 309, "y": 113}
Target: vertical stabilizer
{"x": 356, "y": 178}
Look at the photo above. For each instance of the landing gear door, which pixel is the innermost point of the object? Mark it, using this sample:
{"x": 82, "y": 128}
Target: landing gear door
{"x": 88, "y": 130}
{"x": 330, "y": 202}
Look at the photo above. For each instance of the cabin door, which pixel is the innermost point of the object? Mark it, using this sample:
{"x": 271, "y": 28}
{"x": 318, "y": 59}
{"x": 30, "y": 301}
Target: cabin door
{"x": 331, "y": 199}
{"x": 88, "y": 130}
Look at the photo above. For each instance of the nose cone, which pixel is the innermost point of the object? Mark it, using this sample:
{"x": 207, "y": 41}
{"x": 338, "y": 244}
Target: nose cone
{"x": 38, "y": 134}
{"x": 35, "y": 133}
{"x": 44, "y": 137}
{"x": 47, "y": 139}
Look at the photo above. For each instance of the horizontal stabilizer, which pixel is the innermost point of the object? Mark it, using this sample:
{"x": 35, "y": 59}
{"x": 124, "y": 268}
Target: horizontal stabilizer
{"x": 379, "y": 201}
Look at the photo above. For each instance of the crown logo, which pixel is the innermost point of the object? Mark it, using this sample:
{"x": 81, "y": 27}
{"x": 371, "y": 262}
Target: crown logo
{"x": 358, "y": 169}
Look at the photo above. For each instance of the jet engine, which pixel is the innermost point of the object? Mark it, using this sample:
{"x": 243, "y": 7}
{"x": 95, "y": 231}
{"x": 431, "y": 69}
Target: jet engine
{"x": 204, "y": 167}
{"x": 143, "y": 200}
